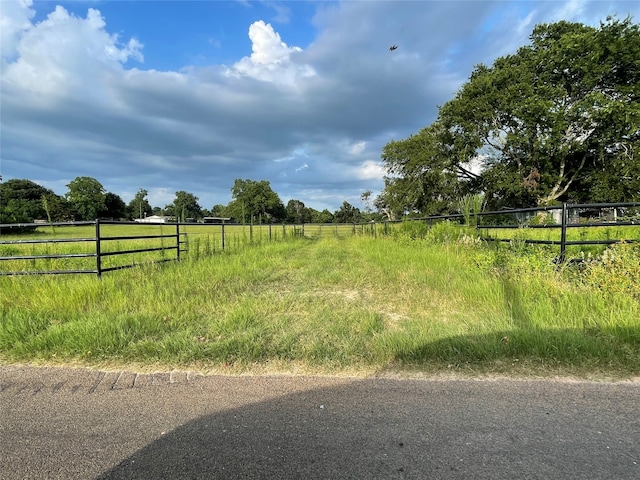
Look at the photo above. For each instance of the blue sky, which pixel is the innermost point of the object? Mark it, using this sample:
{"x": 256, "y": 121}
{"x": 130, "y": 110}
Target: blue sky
{"x": 190, "y": 95}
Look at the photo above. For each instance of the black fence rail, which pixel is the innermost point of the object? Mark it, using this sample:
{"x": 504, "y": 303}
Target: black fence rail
{"x": 96, "y": 248}
{"x": 173, "y": 248}
{"x": 111, "y": 245}
{"x": 116, "y": 245}
{"x": 563, "y": 218}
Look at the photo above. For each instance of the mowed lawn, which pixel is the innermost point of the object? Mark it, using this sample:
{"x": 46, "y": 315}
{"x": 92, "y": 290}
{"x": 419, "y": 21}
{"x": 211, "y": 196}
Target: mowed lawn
{"x": 346, "y": 306}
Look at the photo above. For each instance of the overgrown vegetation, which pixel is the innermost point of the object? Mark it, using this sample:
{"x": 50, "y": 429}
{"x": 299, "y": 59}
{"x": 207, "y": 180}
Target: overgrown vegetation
{"x": 433, "y": 301}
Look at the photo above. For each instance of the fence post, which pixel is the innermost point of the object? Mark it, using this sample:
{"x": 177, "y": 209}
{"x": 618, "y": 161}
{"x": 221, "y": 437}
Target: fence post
{"x": 98, "y": 253}
{"x": 177, "y": 242}
{"x": 270, "y": 236}
{"x": 223, "y": 235}
{"x": 563, "y": 232}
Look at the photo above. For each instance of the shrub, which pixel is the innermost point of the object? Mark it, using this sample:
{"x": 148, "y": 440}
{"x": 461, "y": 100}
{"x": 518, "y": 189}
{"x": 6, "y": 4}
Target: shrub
{"x": 617, "y": 270}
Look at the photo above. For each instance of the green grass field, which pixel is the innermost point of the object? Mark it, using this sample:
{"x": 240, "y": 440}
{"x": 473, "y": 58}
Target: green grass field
{"x": 437, "y": 302}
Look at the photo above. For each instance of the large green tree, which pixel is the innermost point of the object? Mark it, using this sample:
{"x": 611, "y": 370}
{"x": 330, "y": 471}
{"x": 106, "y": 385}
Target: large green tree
{"x": 114, "y": 207}
{"x": 564, "y": 109}
{"x": 139, "y": 206}
{"x": 184, "y": 206}
{"x": 347, "y": 213}
{"x": 424, "y": 177}
{"x": 559, "y": 120}
{"x": 255, "y": 201}
{"x": 297, "y": 212}
{"x": 324, "y": 216}
{"x": 218, "y": 210}
{"x": 86, "y": 196}
{"x": 23, "y": 201}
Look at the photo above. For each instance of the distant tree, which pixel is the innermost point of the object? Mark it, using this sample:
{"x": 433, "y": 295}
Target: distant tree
{"x": 347, "y": 214}
{"x": 397, "y": 199}
{"x": 23, "y": 201}
{"x": 185, "y": 206}
{"x": 297, "y": 212}
{"x": 365, "y": 197}
{"x": 115, "y": 208}
{"x": 218, "y": 210}
{"x": 57, "y": 208}
{"x": 139, "y": 207}
{"x": 369, "y": 214}
{"x": 86, "y": 196}
{"x": 255, "y": 201}
{"x": 325, "y": 216}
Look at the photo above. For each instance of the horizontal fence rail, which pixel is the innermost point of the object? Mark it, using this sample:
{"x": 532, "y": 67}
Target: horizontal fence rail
{"x": 95, "y": 247}
{"x": 113, "y": 246}
{"x": 569, "y": 218}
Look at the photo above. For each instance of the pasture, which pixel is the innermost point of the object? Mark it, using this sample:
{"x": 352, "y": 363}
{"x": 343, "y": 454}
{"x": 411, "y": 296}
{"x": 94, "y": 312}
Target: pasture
{"x": 427, "y": 302}
{"x": 72, "y": 247}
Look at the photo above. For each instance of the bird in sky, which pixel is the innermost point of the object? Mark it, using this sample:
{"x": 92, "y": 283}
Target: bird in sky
{"x": 393, "y": 47}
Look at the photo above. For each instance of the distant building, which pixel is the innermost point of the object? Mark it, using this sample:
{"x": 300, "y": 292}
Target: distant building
{"x": 153, "y": 219}
{"x": 216, "y": 220}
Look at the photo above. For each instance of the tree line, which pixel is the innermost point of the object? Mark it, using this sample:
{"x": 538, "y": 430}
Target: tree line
{"x": 24, "y": 201}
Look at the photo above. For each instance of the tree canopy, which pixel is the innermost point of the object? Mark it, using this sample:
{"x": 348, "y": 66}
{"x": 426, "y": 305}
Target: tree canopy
{"x": 184, "y": 206}
{"x": 348, "y": 214}
{"x": 86, "y": 196}
{"x": 139, "y": 206}
{"x": 114, "y": 207}
{"x": 23, "y": 201}
{"x": 297, "y": 212}
{"x": 255, "y": 201}
{"x": 559, "y": 120}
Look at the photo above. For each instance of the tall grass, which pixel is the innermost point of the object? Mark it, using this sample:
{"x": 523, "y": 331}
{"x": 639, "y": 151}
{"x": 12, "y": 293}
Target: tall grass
{"x": 341, "y": 304}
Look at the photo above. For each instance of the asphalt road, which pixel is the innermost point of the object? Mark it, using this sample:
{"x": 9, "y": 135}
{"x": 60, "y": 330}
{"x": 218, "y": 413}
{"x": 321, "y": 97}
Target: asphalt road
{"x": 82, "y": 424}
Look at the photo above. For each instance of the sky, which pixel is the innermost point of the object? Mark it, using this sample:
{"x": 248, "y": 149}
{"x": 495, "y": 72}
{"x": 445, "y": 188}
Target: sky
{"x": 174, "y": 95}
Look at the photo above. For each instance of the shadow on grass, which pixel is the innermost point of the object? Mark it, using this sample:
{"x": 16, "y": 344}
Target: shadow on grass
{"x": 616, "y": 349}
{"x": 513, "y": 300}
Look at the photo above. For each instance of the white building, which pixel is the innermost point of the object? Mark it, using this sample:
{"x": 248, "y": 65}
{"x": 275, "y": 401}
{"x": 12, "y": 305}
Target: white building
{"x": 153, "y": 219}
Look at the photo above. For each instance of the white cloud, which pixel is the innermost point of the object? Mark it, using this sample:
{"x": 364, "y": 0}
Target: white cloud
{"x": 160, "y": 197}
{"x": 370, "y": 170}
{"x": 570, "y": 9}
{"x": 66, "y": 55}
{"x": 357, "y": 148}
{"x": 271, "y": 58}
{"x": 15, "y": 19}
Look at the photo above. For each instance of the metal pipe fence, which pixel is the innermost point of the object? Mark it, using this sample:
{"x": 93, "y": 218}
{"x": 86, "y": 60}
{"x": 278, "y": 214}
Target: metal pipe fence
{"x": 95, "y": 248}
{"x": 165, "y": 242}
{"x": 566, "y": 222}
